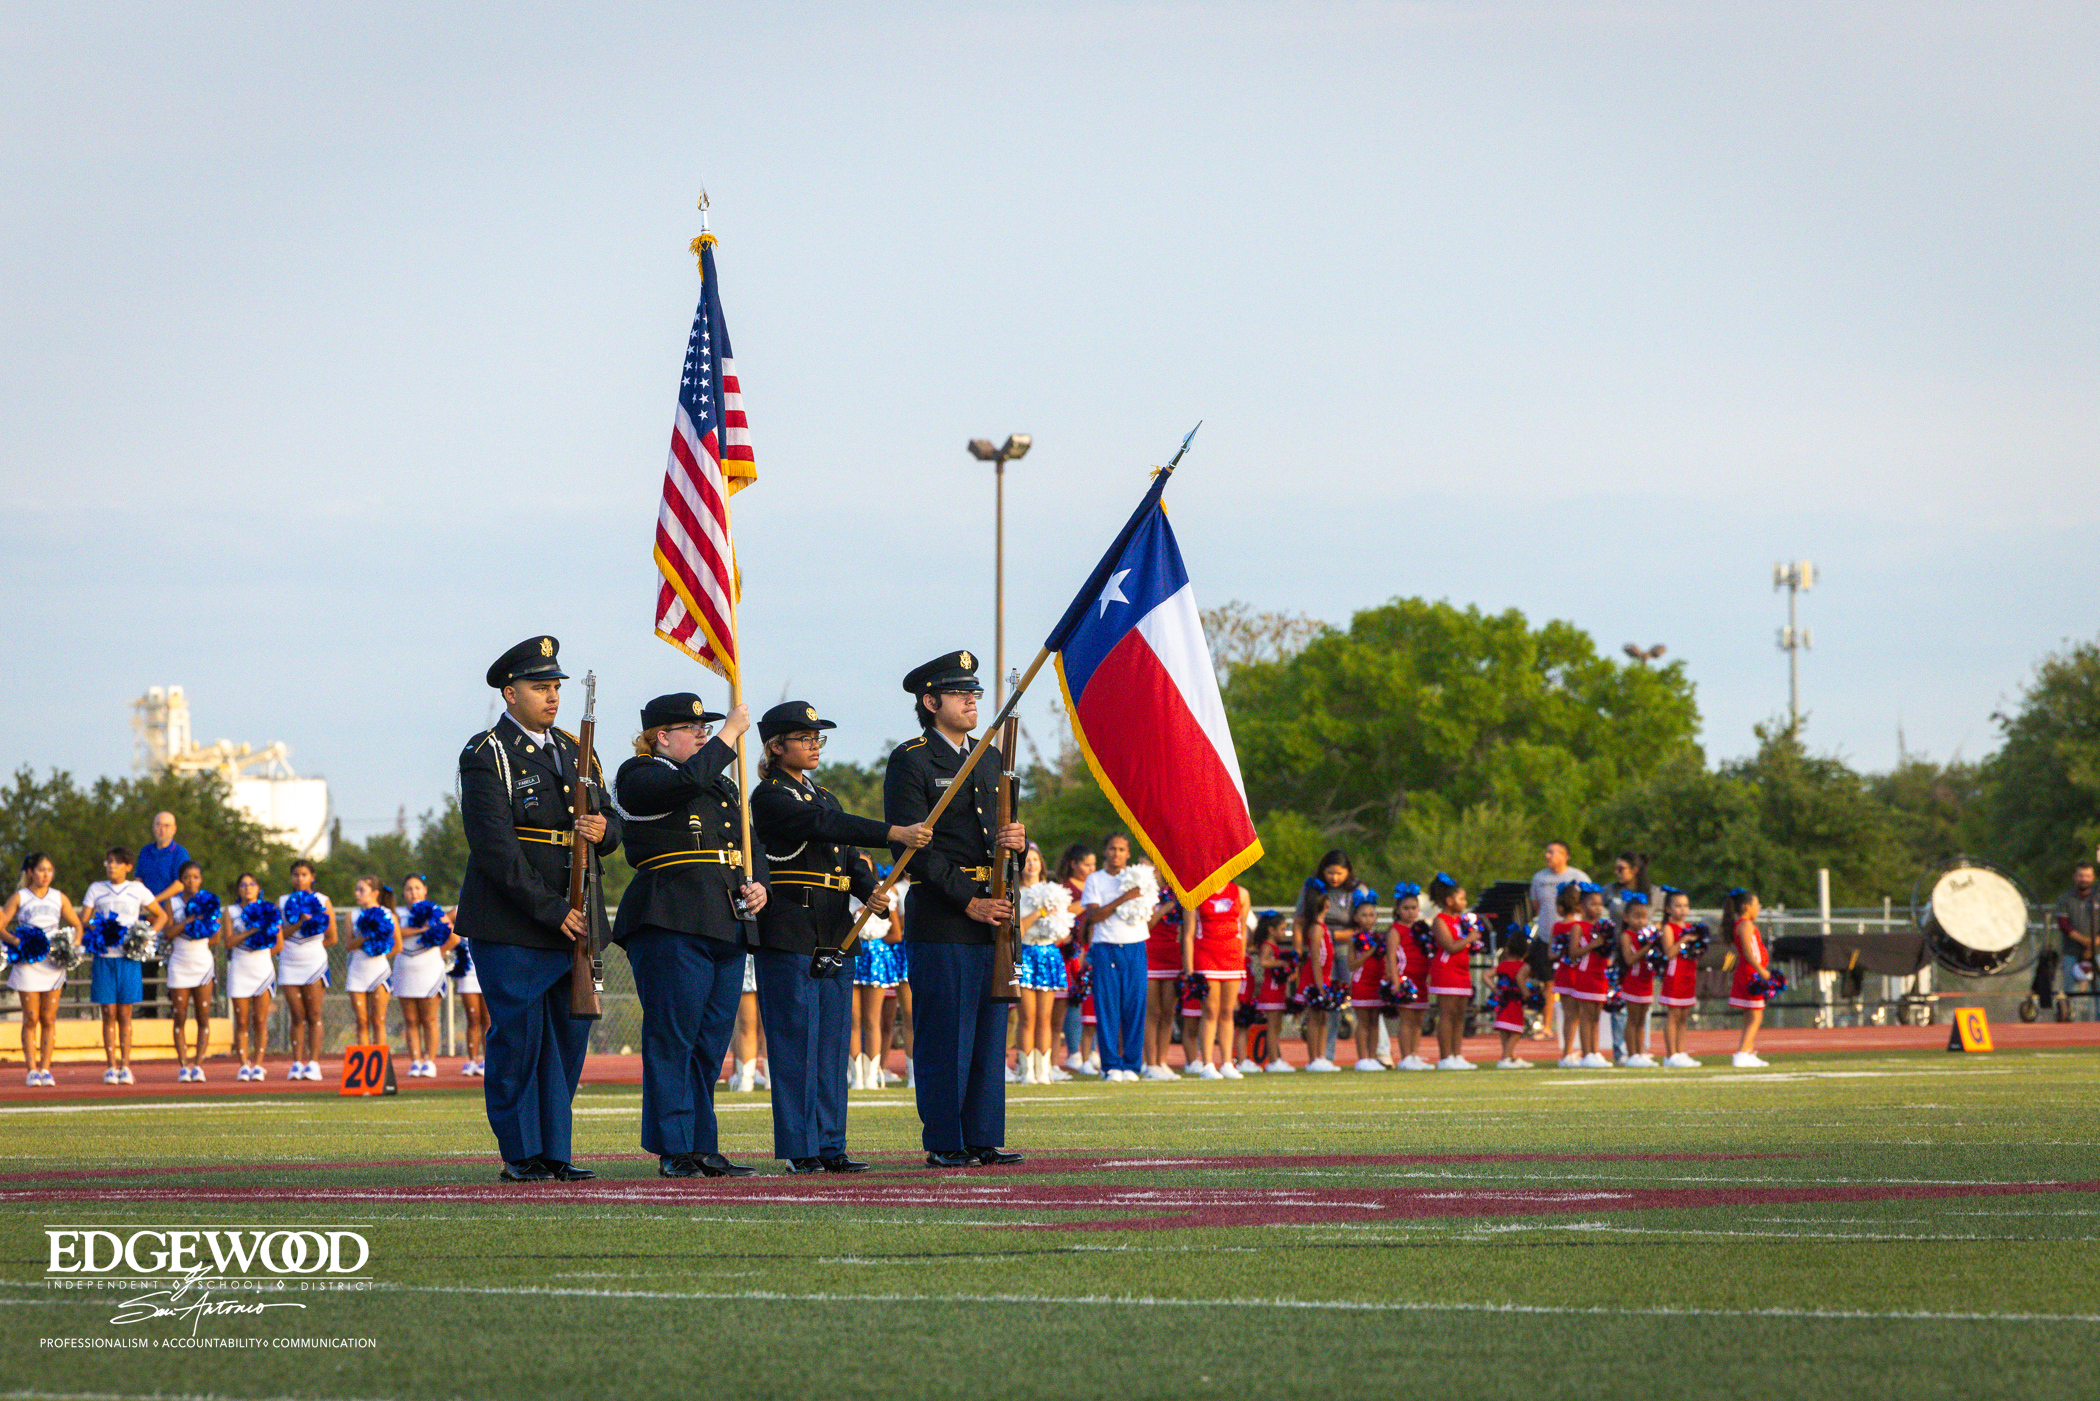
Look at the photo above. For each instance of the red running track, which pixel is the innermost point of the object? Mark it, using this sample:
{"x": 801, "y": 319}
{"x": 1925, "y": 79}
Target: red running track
{"x": 84, "y": 1080}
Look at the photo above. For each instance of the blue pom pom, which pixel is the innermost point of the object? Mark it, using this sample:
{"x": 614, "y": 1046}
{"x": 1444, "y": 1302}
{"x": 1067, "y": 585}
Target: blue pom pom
{"x": 431, "y": 916}
{"x": 261, "y": 917}
{"x": 105, "y": 931}
{"x": 32, "y": 945}
{"x": 462, "y": 959}
{"x": 201, "y": 914}
{"x": 305, "y": 915}
{"x": 376, "y": 927}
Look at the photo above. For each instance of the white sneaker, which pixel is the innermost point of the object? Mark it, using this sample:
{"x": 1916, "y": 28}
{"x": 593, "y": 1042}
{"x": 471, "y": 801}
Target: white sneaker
{"x": 466, "y": 1068}
{"x": 1013, "y": 1076}
{"x": 1321, "y": 1065}
{"x": 33, "y": 1079}
{"x": 1679, "y": 1061}
{"x": 109, "y": 1076}
{"x": 1415, "y": 1063}
{"x": 1229, "y": 1071}
{"x": 196, "y": 1074}
{"x": 1194, "y": 1069}
{"x": 242, "y": 1074}
{"x": 1643, "y": 1061}
{"x": 1461, "y": 1063}
{"x": 46, "y": 1078}
{"x": 1594, "y": 1061}
{"x": 1059, "y": 1075}
{"x": 1512, "y": 1063}
{"x": 1370, "y": 1064}
{"x": 1207, "y": 1071}
{"x": 1074, "y": 1064}
{"x": 1092, "y": 1065}
{"x": 1748, "y": 1060}
{"x": 1248, "y": 1066}
{"x": 1280, "y": 1066}
{"x": 124, "y": 1075}
{"x": 1159, "y": 1074}
{"x": 1569, "y": 1062}
{"x": 758, "y": 1077}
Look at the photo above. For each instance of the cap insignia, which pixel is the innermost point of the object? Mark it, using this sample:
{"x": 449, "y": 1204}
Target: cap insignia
{"x": 546, "y": 646}
{"x": 809, "y": 712}
{"x": 969, "y": 664}
{"x": 696, "y": 709}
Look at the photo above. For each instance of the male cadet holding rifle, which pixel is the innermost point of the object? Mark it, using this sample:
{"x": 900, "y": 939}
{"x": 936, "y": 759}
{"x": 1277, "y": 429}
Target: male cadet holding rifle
{"x": 959, "y": 1045}
{"x": 514, "y": 782}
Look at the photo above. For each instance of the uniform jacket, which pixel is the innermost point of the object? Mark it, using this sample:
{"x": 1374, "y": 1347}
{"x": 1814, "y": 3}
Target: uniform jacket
{"x": 671, "y": 810}
{"x": 514, "y": 802}
{"x": 942, "y": 887}
{"x": 809, "y": 840}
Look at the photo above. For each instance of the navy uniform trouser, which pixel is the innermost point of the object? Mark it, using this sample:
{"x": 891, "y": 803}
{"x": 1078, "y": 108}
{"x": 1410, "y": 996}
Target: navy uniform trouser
{"x": 808, "y": 1025}
{"x": 534, "y": 1051}
{"x": 689, "y": 988}
{"x": 958, "y": 1051}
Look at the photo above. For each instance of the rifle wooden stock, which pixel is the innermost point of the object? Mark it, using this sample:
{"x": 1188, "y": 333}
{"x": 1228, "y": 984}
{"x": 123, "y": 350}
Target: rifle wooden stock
{"x": 955, "y": 786}
{"x": 1005, "y": 879}
{"x": 584, "y": 1005}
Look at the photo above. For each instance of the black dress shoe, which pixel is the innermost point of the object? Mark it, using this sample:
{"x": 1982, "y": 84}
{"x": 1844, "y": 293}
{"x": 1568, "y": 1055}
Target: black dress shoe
{"x": 955, "y": 1158}
{"x": 529, "y": 1170}
{"x": 805, "y": 1165}
{"x": 568, "y": 1172}
{"x": 677, "y": 1165}
{"x": 839, "y": 1162}
{"x": 991, "y": 1157}
{"x": 715, "y": 1165}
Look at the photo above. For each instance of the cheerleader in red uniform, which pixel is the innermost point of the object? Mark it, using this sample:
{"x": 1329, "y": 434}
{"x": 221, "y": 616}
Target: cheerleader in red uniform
{"x": 1512, "y": 987}
{"x": 1368, "y": 984}
{"x": 1409, "y": 945}
{"x": 1279, "y": 970}
{"x": 1752, "y": 969}
{"x": 1248, "y": 1015}
{"x": 1315, "y": 973}
{"x": 1216, "y": 949}
{"x": 1589, "y": 984}
{"x": 1451, "y": 969}
{"x": 1637, "y": 983}
{"x": 1680, "y": 980}
{"x": 1567, "y": 905}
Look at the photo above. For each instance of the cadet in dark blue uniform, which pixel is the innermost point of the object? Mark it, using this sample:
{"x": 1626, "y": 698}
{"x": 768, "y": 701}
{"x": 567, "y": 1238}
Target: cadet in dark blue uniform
{"x": 514, "y": 901}
{"x": 959, "y": 1051}
{"x": 679, "y": 925}
{"x": 805, "y": 988}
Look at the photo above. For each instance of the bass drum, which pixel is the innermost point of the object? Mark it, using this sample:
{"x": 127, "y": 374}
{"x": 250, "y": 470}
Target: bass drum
{"x": 1974, "y": 921}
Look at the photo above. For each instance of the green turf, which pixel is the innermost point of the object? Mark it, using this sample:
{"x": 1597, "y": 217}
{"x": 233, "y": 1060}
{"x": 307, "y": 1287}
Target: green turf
{"x": 703, "y": 1292}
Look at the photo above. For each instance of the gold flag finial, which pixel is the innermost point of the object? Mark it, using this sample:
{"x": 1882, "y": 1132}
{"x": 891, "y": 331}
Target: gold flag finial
{"x": 706, "y": 240}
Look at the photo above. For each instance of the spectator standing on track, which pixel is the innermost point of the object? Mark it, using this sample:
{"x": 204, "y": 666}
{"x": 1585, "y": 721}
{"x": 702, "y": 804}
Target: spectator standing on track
{"x": 1116, "y": 955}
{"x": 1072, "y": 869}
{"x": 2078, "y": 919}
{"x": 160, "y": 863}
{"x": 1545, "y": 892}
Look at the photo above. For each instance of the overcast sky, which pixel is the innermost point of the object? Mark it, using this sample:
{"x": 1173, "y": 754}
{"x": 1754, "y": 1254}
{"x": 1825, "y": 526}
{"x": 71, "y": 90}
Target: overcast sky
{"x": 341, "y": 343}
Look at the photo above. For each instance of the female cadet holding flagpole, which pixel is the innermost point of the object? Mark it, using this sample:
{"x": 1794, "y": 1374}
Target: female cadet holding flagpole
{"x": 679, "y": 923}
{"x": 805, "y": 989}
{"x": 960, "y": 1051}
{"x": 514, "y": 782}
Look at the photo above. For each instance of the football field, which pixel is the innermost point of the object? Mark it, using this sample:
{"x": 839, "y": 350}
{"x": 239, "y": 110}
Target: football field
{"x": 1903, "y": 1224}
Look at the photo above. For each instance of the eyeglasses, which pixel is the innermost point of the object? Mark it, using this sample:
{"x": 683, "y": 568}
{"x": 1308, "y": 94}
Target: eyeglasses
{"x": 814, "y": 741}
{"x": 701, "y": 730}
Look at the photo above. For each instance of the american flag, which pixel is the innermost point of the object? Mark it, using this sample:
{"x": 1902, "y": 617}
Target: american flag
{"x": 710, "y": 462}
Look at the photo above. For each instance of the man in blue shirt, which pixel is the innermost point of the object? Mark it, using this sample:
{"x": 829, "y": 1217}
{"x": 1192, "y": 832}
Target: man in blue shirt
{"x": 160, "y": 864}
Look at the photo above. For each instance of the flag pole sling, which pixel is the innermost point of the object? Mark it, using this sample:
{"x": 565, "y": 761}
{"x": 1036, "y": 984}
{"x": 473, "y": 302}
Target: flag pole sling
{"x": 955, "y": 786}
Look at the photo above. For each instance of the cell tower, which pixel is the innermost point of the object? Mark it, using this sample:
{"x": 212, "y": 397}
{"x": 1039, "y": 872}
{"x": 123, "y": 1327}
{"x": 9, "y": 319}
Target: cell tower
{"x": 1797, "y": 579}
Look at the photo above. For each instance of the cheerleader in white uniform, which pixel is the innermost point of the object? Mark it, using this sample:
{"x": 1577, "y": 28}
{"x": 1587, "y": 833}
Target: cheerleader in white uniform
{"x": 113, "y": 908}
{"x": 254, "y": 933}
{"x": 419, "y": 972}
{"x": 30, "y": 922}
{"x": 194, "y": 923}
{"x": 466, "y": 985}
{"x": 371, "y": 960}
{"x": 302, "y": 967}
{"x": 1046, "y": 920}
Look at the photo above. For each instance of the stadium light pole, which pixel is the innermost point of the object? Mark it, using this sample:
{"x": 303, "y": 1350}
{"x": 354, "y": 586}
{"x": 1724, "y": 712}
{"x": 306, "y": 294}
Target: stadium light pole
{"x": 1012, "y": 450}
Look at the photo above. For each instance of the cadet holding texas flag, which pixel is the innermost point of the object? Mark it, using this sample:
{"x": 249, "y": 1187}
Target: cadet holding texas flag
{"x": 1145, "y": 707}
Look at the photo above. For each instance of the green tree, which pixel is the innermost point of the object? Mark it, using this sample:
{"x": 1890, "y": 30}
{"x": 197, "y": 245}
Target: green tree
{"x": 1936, "y": 808}
{"x": 2041, "y": 789}
{"x": 75, "y": 825}
{"x": 1424, "y": 719}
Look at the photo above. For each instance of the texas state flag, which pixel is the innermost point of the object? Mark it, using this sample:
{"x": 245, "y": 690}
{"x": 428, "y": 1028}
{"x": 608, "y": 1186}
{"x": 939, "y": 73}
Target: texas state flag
{"x": 1145, "y": 707}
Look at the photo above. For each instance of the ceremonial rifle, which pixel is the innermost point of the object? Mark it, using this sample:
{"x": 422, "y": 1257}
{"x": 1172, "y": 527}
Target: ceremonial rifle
{"x": 1006, "y": 876}
{"x": 586, "y": 973}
